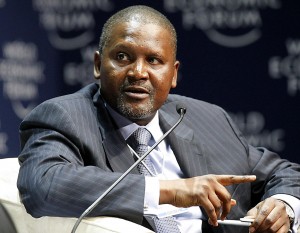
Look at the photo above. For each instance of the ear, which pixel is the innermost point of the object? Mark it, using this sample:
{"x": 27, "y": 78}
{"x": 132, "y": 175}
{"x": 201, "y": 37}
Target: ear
{"x": 174, "y": 80}
{"x": 97, "y": 64}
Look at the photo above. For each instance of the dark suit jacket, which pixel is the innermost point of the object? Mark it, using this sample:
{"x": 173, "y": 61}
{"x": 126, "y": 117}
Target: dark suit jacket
{"x": 72, "y": 152}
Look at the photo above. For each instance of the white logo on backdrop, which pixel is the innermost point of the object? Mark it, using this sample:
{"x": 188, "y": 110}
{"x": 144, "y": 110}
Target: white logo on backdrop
{"x": 3, "y": 142}
{"x": 230, "y": 23}
{"x": 21, "y": 72}
{"x": 2, "y": 3}
{"x": 70, "y": 24}
{"x": 288, "y": 66}
{"x": 81, "y": 73}
{"x": 252, "y": 124}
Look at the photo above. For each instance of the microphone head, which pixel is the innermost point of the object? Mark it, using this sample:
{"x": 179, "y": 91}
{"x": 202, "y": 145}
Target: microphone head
{"x": 180, "y": 108}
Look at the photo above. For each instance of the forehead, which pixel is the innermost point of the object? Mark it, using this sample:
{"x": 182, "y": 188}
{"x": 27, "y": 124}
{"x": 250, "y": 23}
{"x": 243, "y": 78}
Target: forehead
{"x": 140, "y": 34}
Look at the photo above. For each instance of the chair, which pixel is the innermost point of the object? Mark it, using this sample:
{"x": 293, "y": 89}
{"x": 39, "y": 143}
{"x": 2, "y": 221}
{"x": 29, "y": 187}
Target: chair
{"x": 25, "y": 223}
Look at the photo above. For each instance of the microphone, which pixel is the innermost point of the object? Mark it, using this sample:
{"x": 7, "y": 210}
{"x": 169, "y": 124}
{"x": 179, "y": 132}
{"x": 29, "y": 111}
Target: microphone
{"x": 181, "y": 110}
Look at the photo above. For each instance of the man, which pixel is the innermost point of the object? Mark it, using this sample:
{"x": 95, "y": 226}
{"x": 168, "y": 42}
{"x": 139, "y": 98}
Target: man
{"x": 74, "y": 147}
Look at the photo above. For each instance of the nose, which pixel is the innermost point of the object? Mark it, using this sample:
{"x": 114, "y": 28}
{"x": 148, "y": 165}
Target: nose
{"x": 138, "y": 69}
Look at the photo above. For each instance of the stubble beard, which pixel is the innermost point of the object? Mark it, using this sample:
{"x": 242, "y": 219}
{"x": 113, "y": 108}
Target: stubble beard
{"x": 134, "y": 113}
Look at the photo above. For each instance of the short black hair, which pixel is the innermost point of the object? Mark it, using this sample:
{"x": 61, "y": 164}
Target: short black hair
{"x": 139, "y": 13}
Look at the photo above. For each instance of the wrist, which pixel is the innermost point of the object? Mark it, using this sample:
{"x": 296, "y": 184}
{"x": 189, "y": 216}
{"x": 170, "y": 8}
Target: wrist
{"x": 166, "y": 195}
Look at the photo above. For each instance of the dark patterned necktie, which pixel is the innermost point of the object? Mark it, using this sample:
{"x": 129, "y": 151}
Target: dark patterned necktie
{"x": 139, "y": 140}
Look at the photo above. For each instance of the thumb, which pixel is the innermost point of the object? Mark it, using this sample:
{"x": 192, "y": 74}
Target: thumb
{"x": 252, "y": 213}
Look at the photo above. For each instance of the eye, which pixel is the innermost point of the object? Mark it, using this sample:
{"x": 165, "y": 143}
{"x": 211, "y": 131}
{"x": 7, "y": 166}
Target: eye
{"x": 122, "y": 57}
{"x": 153, "y": 60}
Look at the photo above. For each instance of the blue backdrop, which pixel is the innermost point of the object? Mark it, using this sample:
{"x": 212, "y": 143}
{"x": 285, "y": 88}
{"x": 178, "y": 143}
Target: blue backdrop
{"x": 240, "y": 54}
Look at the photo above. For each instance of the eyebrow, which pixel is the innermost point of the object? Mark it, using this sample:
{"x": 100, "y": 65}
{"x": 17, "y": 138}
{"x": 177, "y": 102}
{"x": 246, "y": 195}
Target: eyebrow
{"x": 126, "y": 46}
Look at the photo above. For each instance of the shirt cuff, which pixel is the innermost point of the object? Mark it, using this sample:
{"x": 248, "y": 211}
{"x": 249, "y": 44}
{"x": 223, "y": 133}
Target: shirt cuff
{"x": 151, "y": 199}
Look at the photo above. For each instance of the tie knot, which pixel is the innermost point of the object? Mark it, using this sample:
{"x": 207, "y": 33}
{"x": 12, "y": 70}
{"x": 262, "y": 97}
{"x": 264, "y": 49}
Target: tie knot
{"x": 140, "y": 137}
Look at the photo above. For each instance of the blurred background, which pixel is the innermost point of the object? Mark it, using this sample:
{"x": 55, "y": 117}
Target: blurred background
{"x": 243, "y": 55}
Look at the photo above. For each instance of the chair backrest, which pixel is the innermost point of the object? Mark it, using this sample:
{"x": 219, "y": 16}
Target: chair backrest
{"x": 25, "y": 223}
{"x": 6, "y": 223}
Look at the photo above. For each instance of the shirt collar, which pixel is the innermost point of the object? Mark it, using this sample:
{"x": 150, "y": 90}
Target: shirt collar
{"x": 127, "y": 127}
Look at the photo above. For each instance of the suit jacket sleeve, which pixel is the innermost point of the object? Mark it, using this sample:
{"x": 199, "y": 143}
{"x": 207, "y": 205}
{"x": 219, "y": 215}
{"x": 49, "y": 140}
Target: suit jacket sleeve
{"x": 274, "y": 174}
{"x": 208, "y": 142}
{"x": 63, "y": 165}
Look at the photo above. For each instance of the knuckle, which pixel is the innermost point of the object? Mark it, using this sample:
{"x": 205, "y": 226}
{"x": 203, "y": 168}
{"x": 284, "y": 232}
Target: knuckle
{"x": 227, "y": 197}
{"x": 205, "y": 189}
{"x": 264, "y": 212}
{"x": 211, "y": 210}
{"x": 218, "y": 208}
{"x": 210, "y": 178}
{"x": 268, "y": 221}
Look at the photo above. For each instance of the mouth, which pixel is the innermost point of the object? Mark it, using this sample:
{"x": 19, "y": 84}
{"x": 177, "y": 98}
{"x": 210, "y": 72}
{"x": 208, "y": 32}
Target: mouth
{"x": 136, "y": 92}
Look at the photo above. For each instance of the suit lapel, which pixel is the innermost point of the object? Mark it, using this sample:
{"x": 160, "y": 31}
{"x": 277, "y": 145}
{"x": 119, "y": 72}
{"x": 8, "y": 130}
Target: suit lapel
{"x": 188, "y": 153}
{"x": 117, "y": 152}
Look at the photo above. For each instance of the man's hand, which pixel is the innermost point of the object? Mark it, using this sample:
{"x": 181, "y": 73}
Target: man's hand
{"x": 269, "y": 216}
{"x": 207, "y": 191}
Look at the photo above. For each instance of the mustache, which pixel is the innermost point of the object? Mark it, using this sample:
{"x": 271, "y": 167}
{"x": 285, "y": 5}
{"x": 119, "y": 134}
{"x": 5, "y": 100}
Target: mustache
{"x": 138, "y": 83}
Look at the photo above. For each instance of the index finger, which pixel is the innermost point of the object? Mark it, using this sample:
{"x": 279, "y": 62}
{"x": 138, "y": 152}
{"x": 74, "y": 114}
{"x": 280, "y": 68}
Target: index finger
{"x": 233, "y": 179}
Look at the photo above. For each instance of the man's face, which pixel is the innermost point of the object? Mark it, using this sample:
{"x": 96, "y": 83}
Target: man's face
{"x": 137, "y": 69}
